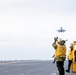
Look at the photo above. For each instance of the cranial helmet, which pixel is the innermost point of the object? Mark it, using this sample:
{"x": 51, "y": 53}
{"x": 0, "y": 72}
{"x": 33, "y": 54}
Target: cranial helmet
{"x": 59, "y": 40}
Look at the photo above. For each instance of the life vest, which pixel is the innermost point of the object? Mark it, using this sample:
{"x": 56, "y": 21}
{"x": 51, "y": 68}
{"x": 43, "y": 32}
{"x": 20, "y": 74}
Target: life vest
{"x": 74, "y": 51}
{"x": 70, "y": 54}
{"x": 60, "y": 51}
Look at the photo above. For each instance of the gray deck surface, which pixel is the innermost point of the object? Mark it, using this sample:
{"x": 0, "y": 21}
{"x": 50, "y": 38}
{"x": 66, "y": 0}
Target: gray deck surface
{"x": 30, "y": 68}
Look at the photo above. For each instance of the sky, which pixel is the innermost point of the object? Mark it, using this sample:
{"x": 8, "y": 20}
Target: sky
{"x": 28, "y": 27}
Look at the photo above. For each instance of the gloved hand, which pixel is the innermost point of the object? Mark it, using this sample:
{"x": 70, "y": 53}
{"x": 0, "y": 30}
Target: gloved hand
{"x": 55, "y": 38}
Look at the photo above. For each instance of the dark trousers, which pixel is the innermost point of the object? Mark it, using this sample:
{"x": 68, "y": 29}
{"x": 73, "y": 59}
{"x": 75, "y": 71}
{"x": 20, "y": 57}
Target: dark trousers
{"x": 60, "y": 66}
{"x": 69, "y": 64}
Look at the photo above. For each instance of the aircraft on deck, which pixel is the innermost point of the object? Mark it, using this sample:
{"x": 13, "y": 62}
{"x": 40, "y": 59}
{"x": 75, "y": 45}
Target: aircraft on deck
{"x": 61, "y": 30}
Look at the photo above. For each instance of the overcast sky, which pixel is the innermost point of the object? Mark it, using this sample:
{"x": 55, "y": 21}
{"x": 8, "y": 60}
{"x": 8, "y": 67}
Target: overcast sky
{"x": 27, "y": 27}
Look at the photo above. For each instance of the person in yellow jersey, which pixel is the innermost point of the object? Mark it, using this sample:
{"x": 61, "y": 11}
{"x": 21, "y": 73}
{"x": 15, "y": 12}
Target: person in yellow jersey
{"x": 70, "y": 58}
{"x": 60, "y": 54}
